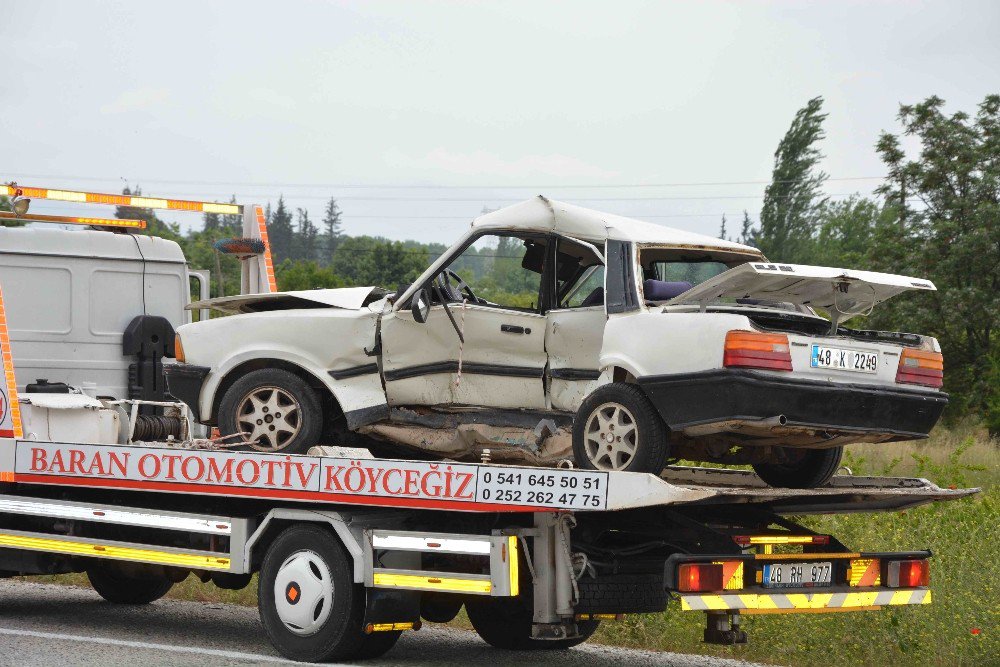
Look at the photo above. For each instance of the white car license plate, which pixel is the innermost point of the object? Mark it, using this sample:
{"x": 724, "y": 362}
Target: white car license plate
{"x": 843, "y": 359}
{"x": 794, "y": 575}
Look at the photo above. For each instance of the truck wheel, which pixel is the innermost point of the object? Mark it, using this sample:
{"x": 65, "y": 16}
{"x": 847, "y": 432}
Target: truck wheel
{"x": 279, "y": 411}
{"x": 617, "y": 428}
{"x": 440, "y": 608}
{"x": 114, "y": 585}
{"x": 803, "y": 468}
{"x": 506, "y": 623}
{"x": 311, "y": 609}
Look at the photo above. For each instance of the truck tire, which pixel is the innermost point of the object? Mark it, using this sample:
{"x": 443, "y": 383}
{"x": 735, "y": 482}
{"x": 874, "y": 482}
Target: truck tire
{"x": 804, "y": 469}
{"x": 114, "y": 585}
{"x": 311, "y": 609}
{"x": 622, "y": 594}
{"x": 277, "y": 407}
{"x": 506, "y": 623}
{"x": 440, "y": 608}
{"x": 638, "y": 445}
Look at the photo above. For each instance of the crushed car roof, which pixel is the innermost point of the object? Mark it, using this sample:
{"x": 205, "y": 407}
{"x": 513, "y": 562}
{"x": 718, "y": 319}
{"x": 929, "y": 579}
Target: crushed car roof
{"x": 544, "y": 214}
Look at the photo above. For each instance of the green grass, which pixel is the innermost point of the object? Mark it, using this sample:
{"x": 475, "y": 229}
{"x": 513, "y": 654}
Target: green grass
{"x": 964, "y": 536}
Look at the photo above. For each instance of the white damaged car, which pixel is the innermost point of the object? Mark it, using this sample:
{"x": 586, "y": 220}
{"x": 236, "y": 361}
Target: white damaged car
{"x": 552, "y": 332}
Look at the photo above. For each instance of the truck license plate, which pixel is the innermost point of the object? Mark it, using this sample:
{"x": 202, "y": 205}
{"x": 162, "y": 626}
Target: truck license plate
{"x": 795, "y": 575}
{"x": 843, "y": 359}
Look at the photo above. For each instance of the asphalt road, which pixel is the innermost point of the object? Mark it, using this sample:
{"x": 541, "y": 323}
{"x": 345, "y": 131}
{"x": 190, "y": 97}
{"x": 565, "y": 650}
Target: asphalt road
{"x": 48, "y": 625}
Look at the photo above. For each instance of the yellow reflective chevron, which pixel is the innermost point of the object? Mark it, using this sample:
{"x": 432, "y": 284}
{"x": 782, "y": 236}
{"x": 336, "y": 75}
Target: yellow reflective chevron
{"x": 804, "y": 601}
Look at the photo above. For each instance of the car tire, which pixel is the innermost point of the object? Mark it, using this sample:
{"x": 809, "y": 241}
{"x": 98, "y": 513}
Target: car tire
{"x": 640, "y": 445}
{"x": 115, "y": 585}
{"x": 307, "y": 565}
{"x": 805, "y": 469}
{"x": 256, "y": 401}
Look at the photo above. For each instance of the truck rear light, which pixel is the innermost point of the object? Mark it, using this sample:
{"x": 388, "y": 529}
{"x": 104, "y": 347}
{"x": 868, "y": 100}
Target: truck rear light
{"x": 908, "y": 573}
{"x": 920, "y": 367}
{"x": 750, "y": 349}
{"x": 700, "y": 577}
{"x": 178, "y": 349}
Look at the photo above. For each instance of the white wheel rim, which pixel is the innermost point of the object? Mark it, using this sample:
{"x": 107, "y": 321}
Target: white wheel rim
{"x": 611, "y": 437}
{"x": 270, "y": 416}
{"x": 303, "y": 593}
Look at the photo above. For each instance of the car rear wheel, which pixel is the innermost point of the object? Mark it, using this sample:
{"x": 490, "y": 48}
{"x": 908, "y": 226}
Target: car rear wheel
{"x": 802, "y": 468}
{"x": 617, "y": 428}
{"x": 275, "y": 410}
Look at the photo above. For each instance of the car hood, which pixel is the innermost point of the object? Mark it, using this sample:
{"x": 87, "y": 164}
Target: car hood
{"x": 349, "y": 298}
{"x": 846, "y": 291}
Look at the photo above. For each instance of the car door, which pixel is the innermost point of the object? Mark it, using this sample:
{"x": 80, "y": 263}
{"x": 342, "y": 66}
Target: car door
{"x": 501, "y": 362}
{"x": 575, "y": 324}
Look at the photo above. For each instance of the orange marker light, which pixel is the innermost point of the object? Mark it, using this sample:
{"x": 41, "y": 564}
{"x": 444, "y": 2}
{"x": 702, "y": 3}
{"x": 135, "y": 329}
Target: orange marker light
{"x": 121, "y": 200}
{"x": 68, "y": 220}
{"x": 750, "y": 349}
{"x": 921, "y": 367}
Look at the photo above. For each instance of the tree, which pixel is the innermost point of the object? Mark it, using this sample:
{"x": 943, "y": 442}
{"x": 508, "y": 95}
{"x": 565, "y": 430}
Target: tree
{"x": 847, "y": 232}
{"x": 748, "y": 235}
{"x": 305, "y": 275}
{"x": 792, "y": 200}
{"x": 304, "y": 241}
{"x": 332, "y": 232}
{"x": 365, "y": 260}
{"x": 280, "y": 232}
{"x": 722, "y": 228}
{"x": 951, "y": 235}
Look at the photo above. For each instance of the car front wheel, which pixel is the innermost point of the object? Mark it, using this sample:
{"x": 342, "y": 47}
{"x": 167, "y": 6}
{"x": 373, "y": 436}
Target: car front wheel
{"x": 802, "y": 468}
{"x": 617, "y": 428}
{"x": 275, "y": 410}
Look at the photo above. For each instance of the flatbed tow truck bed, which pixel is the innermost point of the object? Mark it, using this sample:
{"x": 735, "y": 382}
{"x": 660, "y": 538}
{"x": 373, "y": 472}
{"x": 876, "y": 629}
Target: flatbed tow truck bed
{"x": 550, "y": 551}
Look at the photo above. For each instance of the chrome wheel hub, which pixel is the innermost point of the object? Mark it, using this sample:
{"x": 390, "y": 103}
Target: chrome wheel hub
{"x": 611, "y": 437}
{"x": 270, "y": 417}
{"x": 303, "y": 593}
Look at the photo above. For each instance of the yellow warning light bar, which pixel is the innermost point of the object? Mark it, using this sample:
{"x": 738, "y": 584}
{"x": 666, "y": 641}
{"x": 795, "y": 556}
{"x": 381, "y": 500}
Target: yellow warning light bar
{"x": 69, "y": 220}
{"x": 12, "y": 190}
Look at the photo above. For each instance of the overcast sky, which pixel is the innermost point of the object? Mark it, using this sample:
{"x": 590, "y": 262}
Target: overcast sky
{"x": 507, "y": 100}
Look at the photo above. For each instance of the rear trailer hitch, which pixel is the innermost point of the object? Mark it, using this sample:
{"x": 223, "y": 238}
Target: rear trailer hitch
{"x": 723, "y": 627}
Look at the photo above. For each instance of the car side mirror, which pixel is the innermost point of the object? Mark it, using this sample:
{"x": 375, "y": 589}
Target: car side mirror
{"x": 420, "y": 304}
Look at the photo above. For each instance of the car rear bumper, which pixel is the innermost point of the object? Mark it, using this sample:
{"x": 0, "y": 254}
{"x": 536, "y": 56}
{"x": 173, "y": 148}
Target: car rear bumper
{"x": 693, "y": 399}
{"x": 184, "y": 382}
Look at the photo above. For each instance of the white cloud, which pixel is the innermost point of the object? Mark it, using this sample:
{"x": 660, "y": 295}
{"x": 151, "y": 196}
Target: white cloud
{"x": 136, "y": 99}
{"x": 482, "y": 163}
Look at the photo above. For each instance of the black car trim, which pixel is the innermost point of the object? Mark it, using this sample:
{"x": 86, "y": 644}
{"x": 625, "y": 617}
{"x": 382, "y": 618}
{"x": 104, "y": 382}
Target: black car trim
{"x": 467, "y": 367}
{"x": 621, "y": 294}
{"x": 184, "y": 382}
{"x": 574, "y": 374}
{"x": 353, "y": 371}
{"x": 692, "y": 399}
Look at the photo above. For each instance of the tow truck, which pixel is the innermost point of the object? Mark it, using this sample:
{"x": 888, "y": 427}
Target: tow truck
{"x": 350, "y": 551}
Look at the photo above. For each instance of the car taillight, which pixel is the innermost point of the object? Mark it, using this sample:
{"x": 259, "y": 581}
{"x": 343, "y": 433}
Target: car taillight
{"x": 750, "y": 349}
{"x": 699, "y": 577}
{"x": 908, "y": 573}
{"x": 920, "y": 367}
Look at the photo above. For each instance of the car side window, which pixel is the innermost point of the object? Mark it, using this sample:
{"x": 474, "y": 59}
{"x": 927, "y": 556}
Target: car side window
{"x": 589, "y": 290}
{"x": 504, "y": 271}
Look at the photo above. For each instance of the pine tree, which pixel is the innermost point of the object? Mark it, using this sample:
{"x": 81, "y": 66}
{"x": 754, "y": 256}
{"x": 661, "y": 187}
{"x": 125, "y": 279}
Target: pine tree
{"x": 332, "y": 232}
{"x": 748, "y": 235}
{"x": 304, "y": 242}
{"x": 280, "y": 232}
{"x": 722, "y": 228}
{"x": 792, "y": 200}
